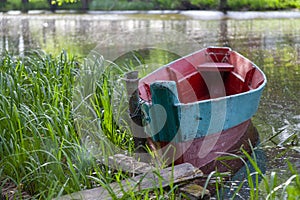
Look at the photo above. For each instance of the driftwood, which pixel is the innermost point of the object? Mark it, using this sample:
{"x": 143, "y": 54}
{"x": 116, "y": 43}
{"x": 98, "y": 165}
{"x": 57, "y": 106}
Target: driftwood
{"x": 148, "y": 181}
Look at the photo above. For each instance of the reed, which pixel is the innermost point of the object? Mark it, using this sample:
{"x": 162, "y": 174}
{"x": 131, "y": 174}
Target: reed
{"x": 259, "y": 183}
{"x": 41, "y": 148}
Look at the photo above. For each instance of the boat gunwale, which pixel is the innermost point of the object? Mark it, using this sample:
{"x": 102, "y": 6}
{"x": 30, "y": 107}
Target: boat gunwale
{"x": 259, "y": 88}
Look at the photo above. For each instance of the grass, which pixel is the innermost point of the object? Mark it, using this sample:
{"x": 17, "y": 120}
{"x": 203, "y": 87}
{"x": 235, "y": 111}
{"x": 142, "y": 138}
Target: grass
{"x": 41, "y": 150}
{"x": 261, "y": 185}
{"x": 50, "y": 146}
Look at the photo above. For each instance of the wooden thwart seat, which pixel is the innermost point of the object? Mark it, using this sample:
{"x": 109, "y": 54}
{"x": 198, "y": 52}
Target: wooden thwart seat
{"x": 215, "y": 66}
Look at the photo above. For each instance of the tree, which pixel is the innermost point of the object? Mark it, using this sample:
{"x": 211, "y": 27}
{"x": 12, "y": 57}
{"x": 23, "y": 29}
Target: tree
{"x": 2, "y": 4}
{"x": 223, "y": 6}
{"x": 168, "y": 3}
{"x": 85, "y": 5}
{"x": 53, "y": 5}
{"x": 24, "y": 7}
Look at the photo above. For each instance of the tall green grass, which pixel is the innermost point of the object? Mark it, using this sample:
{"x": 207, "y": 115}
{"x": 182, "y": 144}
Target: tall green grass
{"x": 41, "y": 145}
{"x": 103, "y": 93}
{"x": 254, "y": 181}
{"x": 46, "y": 140}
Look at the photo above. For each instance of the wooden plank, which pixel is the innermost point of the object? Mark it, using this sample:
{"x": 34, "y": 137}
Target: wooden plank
{"x": 152, "y": 179}
{"x": 128, "y": 164}
{"x": 194, "y": 192}
{"x": 215, "y": 66}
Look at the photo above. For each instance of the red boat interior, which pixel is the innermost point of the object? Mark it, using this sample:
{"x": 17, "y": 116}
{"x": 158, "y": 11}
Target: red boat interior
{"x": 210, "y": 73}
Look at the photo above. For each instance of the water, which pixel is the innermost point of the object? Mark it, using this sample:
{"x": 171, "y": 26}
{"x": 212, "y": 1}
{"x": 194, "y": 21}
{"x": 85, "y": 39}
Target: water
{"x": 272, "y": 43}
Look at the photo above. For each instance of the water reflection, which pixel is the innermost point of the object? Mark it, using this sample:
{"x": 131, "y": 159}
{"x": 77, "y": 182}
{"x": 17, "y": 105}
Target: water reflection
{"x": 273, "y": 44}
{"x": 267, "y": 160}
{"x": 234, "y": 188}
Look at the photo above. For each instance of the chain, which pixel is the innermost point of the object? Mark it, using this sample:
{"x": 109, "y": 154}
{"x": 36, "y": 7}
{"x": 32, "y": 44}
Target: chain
{"x": 138, "y": 111}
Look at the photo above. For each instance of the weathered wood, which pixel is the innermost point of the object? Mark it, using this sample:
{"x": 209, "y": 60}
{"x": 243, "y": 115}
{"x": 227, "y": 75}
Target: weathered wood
{"x": 136, "y": 124}
{"x": 128, "y": 164}
{"x": 200, "y": 83}
{"x": 194, "y": 192}
{"x": 163, "y": 114}
{"x": 215, "y": 66}
{"x": 152, "y": 179}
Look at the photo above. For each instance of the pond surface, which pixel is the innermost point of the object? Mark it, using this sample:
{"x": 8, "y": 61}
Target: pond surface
{"x": 273, "y": 44}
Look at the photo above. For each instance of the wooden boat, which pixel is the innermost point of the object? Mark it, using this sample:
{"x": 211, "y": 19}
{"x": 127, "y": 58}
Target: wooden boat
{"x": 201, "y": 104}
{"x": 204, "y": 93}
{"x": 204, "y": 152}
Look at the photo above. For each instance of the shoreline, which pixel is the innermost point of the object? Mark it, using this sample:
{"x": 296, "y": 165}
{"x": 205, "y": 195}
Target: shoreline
{"x": 191, "y": 14}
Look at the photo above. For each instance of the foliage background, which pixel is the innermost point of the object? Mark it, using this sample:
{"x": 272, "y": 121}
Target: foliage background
{"x": 84, "y": 5}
